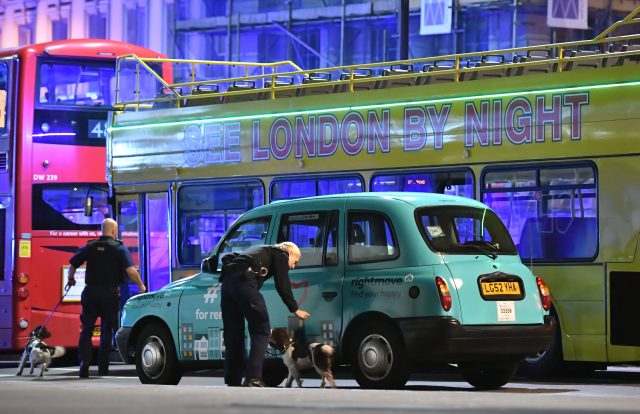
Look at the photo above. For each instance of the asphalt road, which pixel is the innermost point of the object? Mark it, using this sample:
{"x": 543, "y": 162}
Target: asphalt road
{"x": 61, "y": 391}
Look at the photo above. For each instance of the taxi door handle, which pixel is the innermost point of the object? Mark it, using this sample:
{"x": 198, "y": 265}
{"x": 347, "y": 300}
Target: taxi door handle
{"x": 329, "y": 295}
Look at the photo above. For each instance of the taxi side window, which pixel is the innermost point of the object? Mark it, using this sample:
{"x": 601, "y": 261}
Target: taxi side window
{"x": 245, "y": 235}
{"x": 315, "y": 233}
{"x": 370, "y": 238}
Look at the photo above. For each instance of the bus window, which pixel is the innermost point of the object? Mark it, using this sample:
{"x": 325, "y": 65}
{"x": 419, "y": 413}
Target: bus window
{"x": 157, "y": 269}
{"x": 136, "y": 83}
{"x": 551, "y": 213}
{"x": 128, "y": 218}
{"x": 69, "y": 83}
{"x": 4, "y": 75}
{"x": 205, "y": 212}
{"x": 286, "y": 188}
{"x": 66, "y": 82}
{"x": 446, "y": 182}
{"x": 3, "y": 241}
{"x": 61, "y": 206}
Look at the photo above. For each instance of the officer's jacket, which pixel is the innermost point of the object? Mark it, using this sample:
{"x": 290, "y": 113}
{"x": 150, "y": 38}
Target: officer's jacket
{"x": 106, "y": 260}
{"x": 262, "y": 262}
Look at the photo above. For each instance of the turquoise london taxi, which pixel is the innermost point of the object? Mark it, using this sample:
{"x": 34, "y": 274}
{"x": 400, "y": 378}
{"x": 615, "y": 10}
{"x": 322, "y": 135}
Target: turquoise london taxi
{"x": 393, "y": 281}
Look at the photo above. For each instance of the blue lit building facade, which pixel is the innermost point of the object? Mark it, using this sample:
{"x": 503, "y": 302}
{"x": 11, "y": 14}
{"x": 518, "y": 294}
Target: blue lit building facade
{"x": 312, "y": 33}
{"x": 320, "y": 33}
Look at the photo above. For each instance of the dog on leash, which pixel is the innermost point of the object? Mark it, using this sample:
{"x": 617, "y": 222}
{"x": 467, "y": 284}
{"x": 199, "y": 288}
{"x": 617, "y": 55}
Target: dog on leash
{"x": 38, "y": 352}
{"x": 299, "y": 357}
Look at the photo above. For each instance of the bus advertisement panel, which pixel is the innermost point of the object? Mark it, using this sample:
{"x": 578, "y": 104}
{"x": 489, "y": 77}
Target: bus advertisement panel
{"x": 478, "y": 129}
{"x": 545, "y": 136}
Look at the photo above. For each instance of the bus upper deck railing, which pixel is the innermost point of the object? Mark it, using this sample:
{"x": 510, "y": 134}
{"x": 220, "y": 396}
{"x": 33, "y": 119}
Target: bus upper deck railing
{"x": 237, "y": 81}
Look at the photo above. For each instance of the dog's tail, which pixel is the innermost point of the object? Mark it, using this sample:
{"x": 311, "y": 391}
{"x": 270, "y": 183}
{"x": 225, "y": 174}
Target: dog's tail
{"x": 58, "y": 351}
{"x": 327, "y": 349}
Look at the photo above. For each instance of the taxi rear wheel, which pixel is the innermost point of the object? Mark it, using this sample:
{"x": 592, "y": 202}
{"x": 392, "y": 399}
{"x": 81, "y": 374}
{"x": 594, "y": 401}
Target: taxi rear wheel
{"x": 155, "y": 358}
{"x": 379, "y": 359}
{"x": 488, "y": 377}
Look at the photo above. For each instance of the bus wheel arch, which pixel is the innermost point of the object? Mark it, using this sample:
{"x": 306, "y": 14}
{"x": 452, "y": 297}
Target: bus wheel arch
{"x": 549, "y": 362}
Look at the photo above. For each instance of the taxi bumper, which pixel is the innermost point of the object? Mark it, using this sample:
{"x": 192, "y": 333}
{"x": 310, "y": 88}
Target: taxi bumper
{"x": 122, "y": 342}
{"x": 446, "y": 340}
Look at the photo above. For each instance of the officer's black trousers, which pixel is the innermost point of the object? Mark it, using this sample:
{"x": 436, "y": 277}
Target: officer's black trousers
{"x": 97, "y": 301}
{"x": 242, "y": 300}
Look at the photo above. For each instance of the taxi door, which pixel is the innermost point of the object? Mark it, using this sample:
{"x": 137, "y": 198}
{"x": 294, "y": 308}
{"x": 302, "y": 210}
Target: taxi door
{"x": 316, "y": 282}
{"x": 200, "y": 320}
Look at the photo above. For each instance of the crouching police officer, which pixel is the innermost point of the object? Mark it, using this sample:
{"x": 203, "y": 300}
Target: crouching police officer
{"x": 108, "y": 259}
{"x": 242, "y": 277}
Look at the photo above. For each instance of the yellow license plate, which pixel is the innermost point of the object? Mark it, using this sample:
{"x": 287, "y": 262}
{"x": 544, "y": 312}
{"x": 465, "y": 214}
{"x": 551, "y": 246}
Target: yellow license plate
{"x": 96, "y": 331}
{"x": 500, "y": 288}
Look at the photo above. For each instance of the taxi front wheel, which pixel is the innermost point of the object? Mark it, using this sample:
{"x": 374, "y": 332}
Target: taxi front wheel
{"x": 379, "y": 359}
{"x": 156, "y": 359}
{"x": 274, "y": 371}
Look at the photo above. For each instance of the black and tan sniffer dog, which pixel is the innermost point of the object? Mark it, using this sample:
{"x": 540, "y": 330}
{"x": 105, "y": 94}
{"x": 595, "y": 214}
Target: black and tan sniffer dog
{"x": 38, "y": 352}
{"x": 301, "y": 356}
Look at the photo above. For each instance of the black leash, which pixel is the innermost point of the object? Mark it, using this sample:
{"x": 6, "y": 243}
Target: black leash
{"x": 67, "y": 288}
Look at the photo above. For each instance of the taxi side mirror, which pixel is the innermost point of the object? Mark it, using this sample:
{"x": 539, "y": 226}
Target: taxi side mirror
{"x": 209, "y": 264}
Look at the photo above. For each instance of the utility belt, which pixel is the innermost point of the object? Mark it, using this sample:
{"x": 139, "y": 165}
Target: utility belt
{"x": 104, "y": 288}
{"x": 261, "y": 274}
{"x": 251, "y": 274}
{"x": 246, "y": 273}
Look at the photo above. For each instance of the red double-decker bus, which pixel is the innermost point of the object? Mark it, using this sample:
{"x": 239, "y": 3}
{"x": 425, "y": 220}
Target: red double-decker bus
{"x": 54, "y": 104}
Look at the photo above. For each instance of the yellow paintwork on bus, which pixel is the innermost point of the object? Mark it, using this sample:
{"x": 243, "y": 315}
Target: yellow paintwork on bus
{"x": 608, "y": 114}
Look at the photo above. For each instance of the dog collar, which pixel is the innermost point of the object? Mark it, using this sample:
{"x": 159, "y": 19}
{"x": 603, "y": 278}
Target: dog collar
{"x": 284, "y": 348}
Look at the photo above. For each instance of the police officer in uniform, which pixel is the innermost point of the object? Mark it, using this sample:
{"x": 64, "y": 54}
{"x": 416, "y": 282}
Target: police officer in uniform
{"x": 242, "y": 276}
{"x": 107, "y": 259}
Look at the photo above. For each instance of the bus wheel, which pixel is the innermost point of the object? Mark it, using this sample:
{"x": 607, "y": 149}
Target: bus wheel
{"x": 274, "y": 372}
{"x": 488, "y": 377}
{"x": 156, "y": 360}
{"x": 545, "y": 363}
{"x": 378, "y": 357}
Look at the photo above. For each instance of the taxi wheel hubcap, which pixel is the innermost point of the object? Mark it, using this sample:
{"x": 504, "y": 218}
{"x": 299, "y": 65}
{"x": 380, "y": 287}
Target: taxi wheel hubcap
{"x": 153, "y": 357}
{"x": 376, "y": 357}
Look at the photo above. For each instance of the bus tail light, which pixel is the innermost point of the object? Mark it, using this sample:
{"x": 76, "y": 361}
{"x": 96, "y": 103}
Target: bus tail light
{"x": 545, "y": 296}
{"x": 23, "y": 293}
{"x": 443, "y": 292}
{"x": 23, "y": 278}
